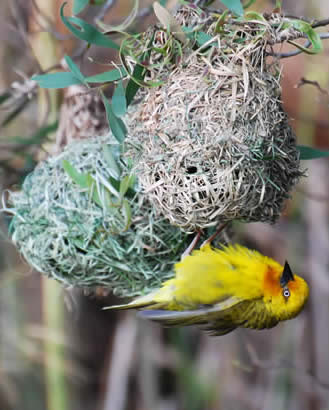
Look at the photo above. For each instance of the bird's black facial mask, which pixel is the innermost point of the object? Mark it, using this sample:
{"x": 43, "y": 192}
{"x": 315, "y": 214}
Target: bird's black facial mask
{"x": 286, "y": 276}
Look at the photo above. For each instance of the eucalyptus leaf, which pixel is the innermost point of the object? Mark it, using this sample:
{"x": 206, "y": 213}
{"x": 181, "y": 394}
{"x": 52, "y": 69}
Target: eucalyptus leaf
{"x": 74, "y": 69}
{"x": 234, "y": 5}
{"x": 119, "y": 103}
{"x": 56, "y": 80}
{"x": 202, "y": 38}
{"x": 138, "y": 75}
{"x": 133, "y": 86}
{"x": 307, "y": 152}
{"x": 116, "y": 124}
{"x": 85, "y": 31}
{"x": 107, "y": 76}
{"x": 311, "y": 34}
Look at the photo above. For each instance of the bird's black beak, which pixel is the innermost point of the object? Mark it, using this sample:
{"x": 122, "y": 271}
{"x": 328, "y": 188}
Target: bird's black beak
{"x": 287, "y": 275}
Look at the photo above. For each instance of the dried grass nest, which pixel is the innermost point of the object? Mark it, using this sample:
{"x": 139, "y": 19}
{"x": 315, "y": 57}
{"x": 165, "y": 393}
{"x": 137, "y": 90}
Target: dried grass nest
{"x": 62, "y": 232}
{"x": 213, "y": 142}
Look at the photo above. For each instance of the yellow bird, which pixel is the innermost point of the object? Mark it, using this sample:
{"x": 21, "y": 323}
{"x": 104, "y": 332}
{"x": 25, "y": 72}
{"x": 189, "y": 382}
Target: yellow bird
{"x": 222, "y": 289}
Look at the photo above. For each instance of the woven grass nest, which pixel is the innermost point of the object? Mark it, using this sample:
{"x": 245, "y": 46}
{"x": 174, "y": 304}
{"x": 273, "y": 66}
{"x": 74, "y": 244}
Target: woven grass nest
{"x": 82, "y": 239}
{"x": 213, "y": 142}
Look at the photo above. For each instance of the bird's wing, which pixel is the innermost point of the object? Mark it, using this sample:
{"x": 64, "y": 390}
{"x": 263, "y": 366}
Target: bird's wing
{"x": 250, "y": 314}
{"x": 199, "y": 316}
{"x": 218, "y": 319}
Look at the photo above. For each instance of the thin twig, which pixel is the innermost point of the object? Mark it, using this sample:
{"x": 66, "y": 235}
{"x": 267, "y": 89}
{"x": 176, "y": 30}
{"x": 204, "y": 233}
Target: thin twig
{"x": 192, "y": 245}
{"x": 281, "y": 364}
{"x": 304, "y": 81}
{"x": 308, "y": 44}
{"x": 290, "y": 53}
{"x": 320, "y": 23}
{"x": 216, "y": 233}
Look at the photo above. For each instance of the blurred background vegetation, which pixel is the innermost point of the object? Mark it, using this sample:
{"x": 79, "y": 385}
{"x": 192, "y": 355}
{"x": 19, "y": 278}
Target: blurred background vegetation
{"x": 60, "y": 351}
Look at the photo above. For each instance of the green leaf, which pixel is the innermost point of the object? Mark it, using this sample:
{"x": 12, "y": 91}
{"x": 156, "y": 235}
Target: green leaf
{"x": 234, "y": 5}
{"x": 78, "y": 177}
{"x": 138, "y": 74}
{"x": 110, "y": 184}
{"x": 132, "y": 181}
{"x": 113, "y": 167}
{"x": 255, "y": 16}
{"x": 202, "y": 38}
{"x": 107, "y": 76}
{"x": 127, "y": 185}
{"x": 124, "y": 185}
{"x": 221, "y": 21}
{"x": 93, "y": 191}
{"x": 127, "y": 213}
{"x": 79, "y": 5}
{"x": 116, "y": 124}
{"x": 307, "y": 152}
{"x": 99, "y": 193}
{"x": 56, "y": 80}
{"x": 119, "y": 103}
{"x": 74, "y": 69}
{"x": 132, "y": 86}
{"x": 311, "y": 34}
{"x": 86, "y": 31}
{"x": 86, "y": 181}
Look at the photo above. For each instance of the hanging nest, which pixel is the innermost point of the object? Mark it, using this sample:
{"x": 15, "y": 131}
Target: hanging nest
{"x": 83, "y": 227}
{"x": 213, "y": 143}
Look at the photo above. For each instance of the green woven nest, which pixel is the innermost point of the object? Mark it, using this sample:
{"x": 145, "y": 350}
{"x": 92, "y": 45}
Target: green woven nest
{"x": 64, "y": 233}
{"x": 213, "y": 142}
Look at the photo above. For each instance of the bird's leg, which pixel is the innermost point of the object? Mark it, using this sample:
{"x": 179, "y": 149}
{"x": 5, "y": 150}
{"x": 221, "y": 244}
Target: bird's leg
{"x": 216, "y": 233}
{"x": 190, "y": 248}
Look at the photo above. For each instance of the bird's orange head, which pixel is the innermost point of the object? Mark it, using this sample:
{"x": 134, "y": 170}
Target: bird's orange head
{"x": 285, "y": 294}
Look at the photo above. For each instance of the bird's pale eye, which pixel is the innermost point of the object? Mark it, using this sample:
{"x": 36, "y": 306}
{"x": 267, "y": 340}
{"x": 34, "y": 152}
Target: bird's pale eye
{"x": 286, "y": 292}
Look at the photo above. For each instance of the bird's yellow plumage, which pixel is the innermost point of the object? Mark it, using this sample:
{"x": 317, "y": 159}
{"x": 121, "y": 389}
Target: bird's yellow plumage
{"x": 223, "y": 289}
